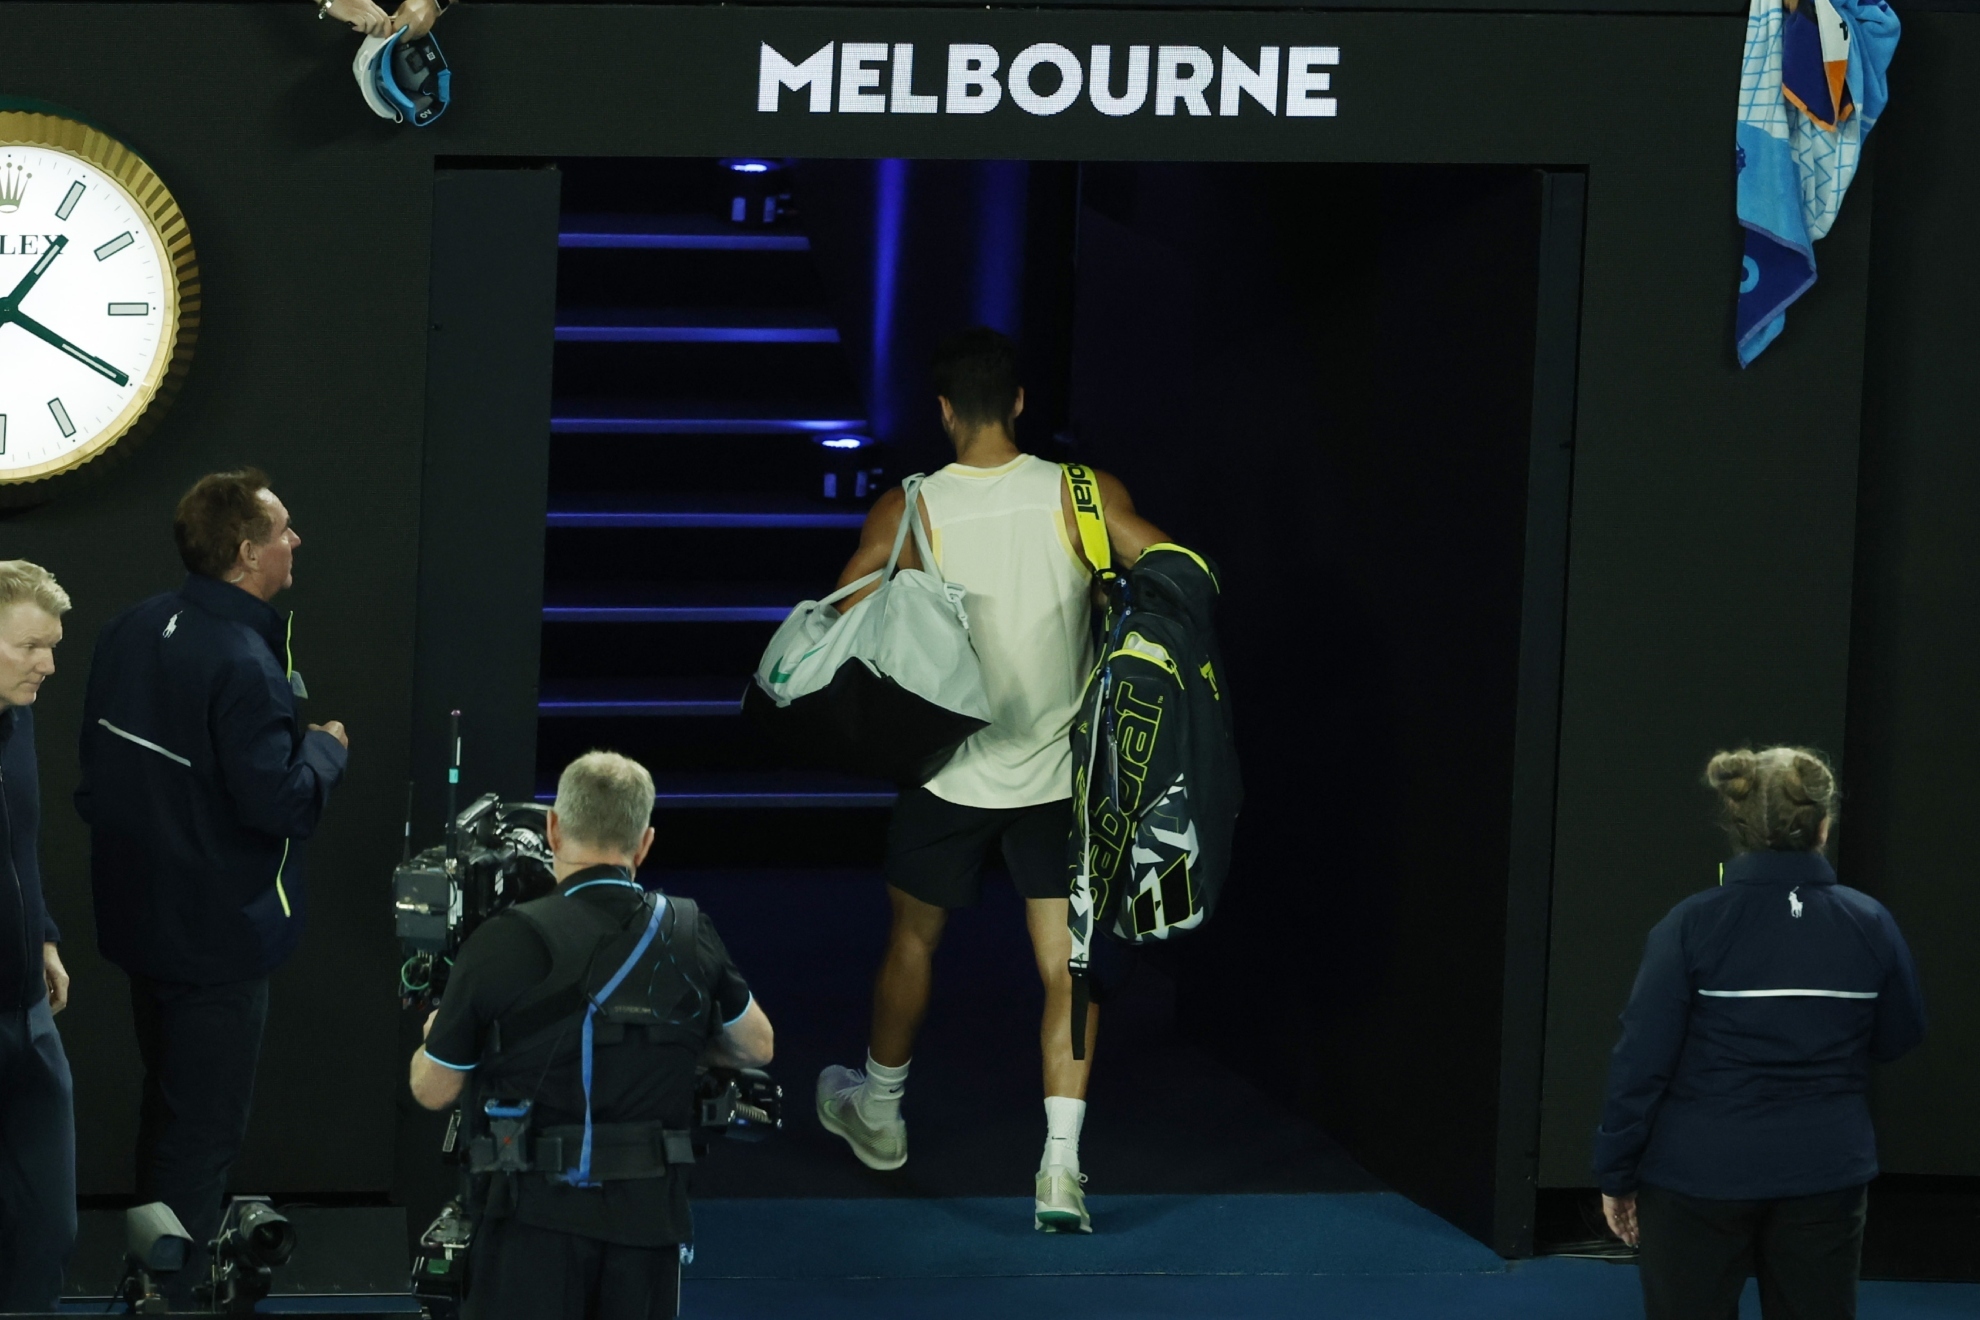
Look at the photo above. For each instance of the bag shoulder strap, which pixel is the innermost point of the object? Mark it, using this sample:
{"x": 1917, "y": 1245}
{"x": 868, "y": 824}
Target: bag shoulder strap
{"x": 910, "y": 522}
{"x": 1084, "y": 487}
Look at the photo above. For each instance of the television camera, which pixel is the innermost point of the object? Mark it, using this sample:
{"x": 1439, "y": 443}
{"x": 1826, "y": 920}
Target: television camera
{"x": 495, "y": 856}
{"x": 254, "y": 1240}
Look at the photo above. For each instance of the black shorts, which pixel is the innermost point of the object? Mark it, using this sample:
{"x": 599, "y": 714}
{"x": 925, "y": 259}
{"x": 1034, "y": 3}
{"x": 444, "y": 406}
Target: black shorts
{"x": 936, "y": 848}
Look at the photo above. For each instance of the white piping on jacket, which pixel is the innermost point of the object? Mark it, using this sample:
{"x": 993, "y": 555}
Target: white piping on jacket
{"x": 1790, "y": 994}
{"x": 146, "y": 743}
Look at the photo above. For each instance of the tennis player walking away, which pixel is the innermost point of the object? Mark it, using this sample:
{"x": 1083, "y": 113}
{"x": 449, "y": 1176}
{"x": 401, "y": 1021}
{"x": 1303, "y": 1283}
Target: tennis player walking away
{"x": 1737, "y": 1136}
{"x": 1001, "y": 524}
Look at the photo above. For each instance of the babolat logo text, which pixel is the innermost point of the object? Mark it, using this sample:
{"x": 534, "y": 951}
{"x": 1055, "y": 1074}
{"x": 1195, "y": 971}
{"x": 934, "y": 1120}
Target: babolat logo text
{"x": 874, "y": 78}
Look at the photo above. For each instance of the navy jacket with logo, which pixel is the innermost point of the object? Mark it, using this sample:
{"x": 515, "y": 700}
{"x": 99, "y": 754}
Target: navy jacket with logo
{"x": 1744, "y": 1064}
{"x": 199, "y": 785}
{"x": 24, "y": 921}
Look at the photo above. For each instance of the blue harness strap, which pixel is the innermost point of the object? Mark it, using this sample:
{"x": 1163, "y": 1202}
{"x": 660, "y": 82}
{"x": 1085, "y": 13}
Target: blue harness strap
{"x": 581, "y": 1176}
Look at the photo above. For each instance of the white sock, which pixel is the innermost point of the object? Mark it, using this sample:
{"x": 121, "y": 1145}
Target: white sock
{"x": 879, "y": 1099}
{"x": 1064, "y": 1116}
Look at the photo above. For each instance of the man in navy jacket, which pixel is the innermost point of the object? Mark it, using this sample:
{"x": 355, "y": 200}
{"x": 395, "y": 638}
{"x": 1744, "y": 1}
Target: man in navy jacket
{"x": 37, "y": 1118}
{"x": 200, "y": 785}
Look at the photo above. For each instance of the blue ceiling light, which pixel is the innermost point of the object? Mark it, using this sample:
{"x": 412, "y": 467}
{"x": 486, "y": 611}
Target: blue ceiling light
{"x": 846, "y": 442}
{"x": 751, "y": 165}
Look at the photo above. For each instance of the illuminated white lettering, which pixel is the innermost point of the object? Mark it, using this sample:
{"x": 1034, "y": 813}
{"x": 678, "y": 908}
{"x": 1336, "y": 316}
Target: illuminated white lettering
{"x": 973, "y": 86}
{"x": 1100, "y": 86}
{"x": 857, "y": 76}
{"x": 773, "y": 72}
{"x": 1261, "y": 86}
{"x": 1051, "y": 103}
{"x": 1172, "y": 84}
{"x": 906, "y": 102}
{"x": 1302, "y": 82}
{"x": 848, "y": 78}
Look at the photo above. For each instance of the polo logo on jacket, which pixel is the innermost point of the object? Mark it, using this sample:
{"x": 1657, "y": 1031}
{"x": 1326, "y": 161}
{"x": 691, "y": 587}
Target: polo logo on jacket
{"x": 1794, "y": 901}
{"x": 171, "y": 625}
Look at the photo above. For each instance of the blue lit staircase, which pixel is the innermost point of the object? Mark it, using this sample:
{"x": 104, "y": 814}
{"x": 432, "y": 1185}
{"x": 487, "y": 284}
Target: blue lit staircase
{"x": 697, "y": 370}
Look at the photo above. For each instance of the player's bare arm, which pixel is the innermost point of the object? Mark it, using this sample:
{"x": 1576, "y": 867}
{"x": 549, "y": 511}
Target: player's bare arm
{"x": 876, "y": 542}
{"x": 1128, "y": 532}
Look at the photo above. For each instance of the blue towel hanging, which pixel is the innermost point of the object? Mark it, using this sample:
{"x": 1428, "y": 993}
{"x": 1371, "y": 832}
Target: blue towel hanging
{"x": 1811, "y": 87}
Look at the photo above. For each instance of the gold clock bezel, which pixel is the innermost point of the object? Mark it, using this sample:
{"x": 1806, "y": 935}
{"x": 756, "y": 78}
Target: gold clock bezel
{"x": 165, "y": 227}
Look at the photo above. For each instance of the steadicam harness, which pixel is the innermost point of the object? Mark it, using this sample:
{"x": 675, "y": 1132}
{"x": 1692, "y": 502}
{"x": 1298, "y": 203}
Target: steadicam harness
{"x": 604, "y": 1152}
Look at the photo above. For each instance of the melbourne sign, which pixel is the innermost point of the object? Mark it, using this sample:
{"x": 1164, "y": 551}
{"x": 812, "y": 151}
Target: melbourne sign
{"x": 876, "y": 78}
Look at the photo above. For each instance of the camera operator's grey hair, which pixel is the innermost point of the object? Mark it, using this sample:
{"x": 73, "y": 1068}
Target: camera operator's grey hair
{"x": 605, "y": 800}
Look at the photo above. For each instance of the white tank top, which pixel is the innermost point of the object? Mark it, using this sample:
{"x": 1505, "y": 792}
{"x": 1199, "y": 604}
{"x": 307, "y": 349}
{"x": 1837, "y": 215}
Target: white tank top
{"x": 1001, "y": 533}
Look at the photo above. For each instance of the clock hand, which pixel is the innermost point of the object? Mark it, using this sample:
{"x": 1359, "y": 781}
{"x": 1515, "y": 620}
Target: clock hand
{"x": 40, "y": 331}
{"x": 13, "y": 299}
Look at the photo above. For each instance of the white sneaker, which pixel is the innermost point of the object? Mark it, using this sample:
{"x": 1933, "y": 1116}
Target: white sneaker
{"x": 883, "y": 1147}
{"x": 1061, "y": 1203}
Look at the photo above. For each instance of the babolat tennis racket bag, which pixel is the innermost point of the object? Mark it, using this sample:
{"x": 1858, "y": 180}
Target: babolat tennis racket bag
{"x": 891, "y": 687}
{"x": 1156, "y": 785}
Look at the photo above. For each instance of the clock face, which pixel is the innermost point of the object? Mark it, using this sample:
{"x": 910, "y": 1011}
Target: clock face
{"x": 90, "y": 296}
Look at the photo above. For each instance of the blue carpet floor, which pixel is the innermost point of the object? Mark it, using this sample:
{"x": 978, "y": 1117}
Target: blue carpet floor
{"x": 1359, "y": 1256}
{"x": 1369, "y": 1256}
{"x": 1529, "y": 1290}
{"x": 902, "y": 1238}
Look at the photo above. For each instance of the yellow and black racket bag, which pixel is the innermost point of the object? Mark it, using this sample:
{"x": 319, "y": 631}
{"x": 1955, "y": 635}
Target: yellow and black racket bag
{"x": 1156, "y": 784}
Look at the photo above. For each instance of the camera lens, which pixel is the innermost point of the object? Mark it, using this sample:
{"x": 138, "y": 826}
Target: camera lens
{"x": 265, "y": 1236}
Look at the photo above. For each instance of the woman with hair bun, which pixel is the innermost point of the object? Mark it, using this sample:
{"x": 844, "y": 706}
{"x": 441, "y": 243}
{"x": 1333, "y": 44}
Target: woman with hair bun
{"x": 1736, "y": 1138}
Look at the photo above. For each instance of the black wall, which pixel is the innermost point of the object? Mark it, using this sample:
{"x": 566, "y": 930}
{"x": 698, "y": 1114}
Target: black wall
{"x": 311, "y": 219}
{"x": 1914, "y": 705}
{"x": 1708, "y": 599}
{"x": 1321, "y": 376}
{"x": 486, "y": 451}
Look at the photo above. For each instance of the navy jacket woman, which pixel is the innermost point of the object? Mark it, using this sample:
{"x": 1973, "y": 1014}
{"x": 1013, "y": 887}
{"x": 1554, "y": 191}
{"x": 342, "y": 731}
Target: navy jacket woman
{"x": 1744, "y": 1065}
{"x": 24, "y": 921}
{"x": 199, "y": 784}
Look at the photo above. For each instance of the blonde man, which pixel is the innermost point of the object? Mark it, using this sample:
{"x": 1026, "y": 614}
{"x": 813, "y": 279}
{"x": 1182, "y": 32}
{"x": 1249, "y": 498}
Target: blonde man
{"x": 37, "y": 1117}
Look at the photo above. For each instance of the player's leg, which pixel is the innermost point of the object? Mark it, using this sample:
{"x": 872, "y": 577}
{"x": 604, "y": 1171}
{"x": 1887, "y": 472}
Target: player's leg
{"x": 934, "y": 863}
{"x": 900, "y": 989}
{"x": 1060, "y": 1204}
{"x": 1034, "y": 845}
{"x": 1051, "y": 946}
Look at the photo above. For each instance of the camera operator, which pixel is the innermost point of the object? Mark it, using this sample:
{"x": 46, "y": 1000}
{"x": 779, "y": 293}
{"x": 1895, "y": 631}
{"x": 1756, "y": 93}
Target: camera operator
{"x": 592, "y": 1007}
{"x": 200, "y": 785}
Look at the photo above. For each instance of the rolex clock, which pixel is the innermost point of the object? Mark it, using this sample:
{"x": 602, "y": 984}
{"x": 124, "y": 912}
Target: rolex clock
{"x": 99, "y": 299}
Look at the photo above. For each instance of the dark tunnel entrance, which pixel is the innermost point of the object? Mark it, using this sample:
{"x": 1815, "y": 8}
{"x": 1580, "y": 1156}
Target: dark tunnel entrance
{"x": 1352, "y": 385}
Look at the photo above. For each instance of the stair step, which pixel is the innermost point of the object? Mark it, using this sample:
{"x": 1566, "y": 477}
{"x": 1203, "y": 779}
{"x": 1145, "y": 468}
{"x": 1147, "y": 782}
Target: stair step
{"x": 699, "y": 511}
{"x": 641, "y": 698}
{"x": 770, "y": 791}
{"x": 672, "y": 417}
{"x": 692, "y": 232}
{"x": 682, "y": 604}
{"x": 691, "y": 325}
